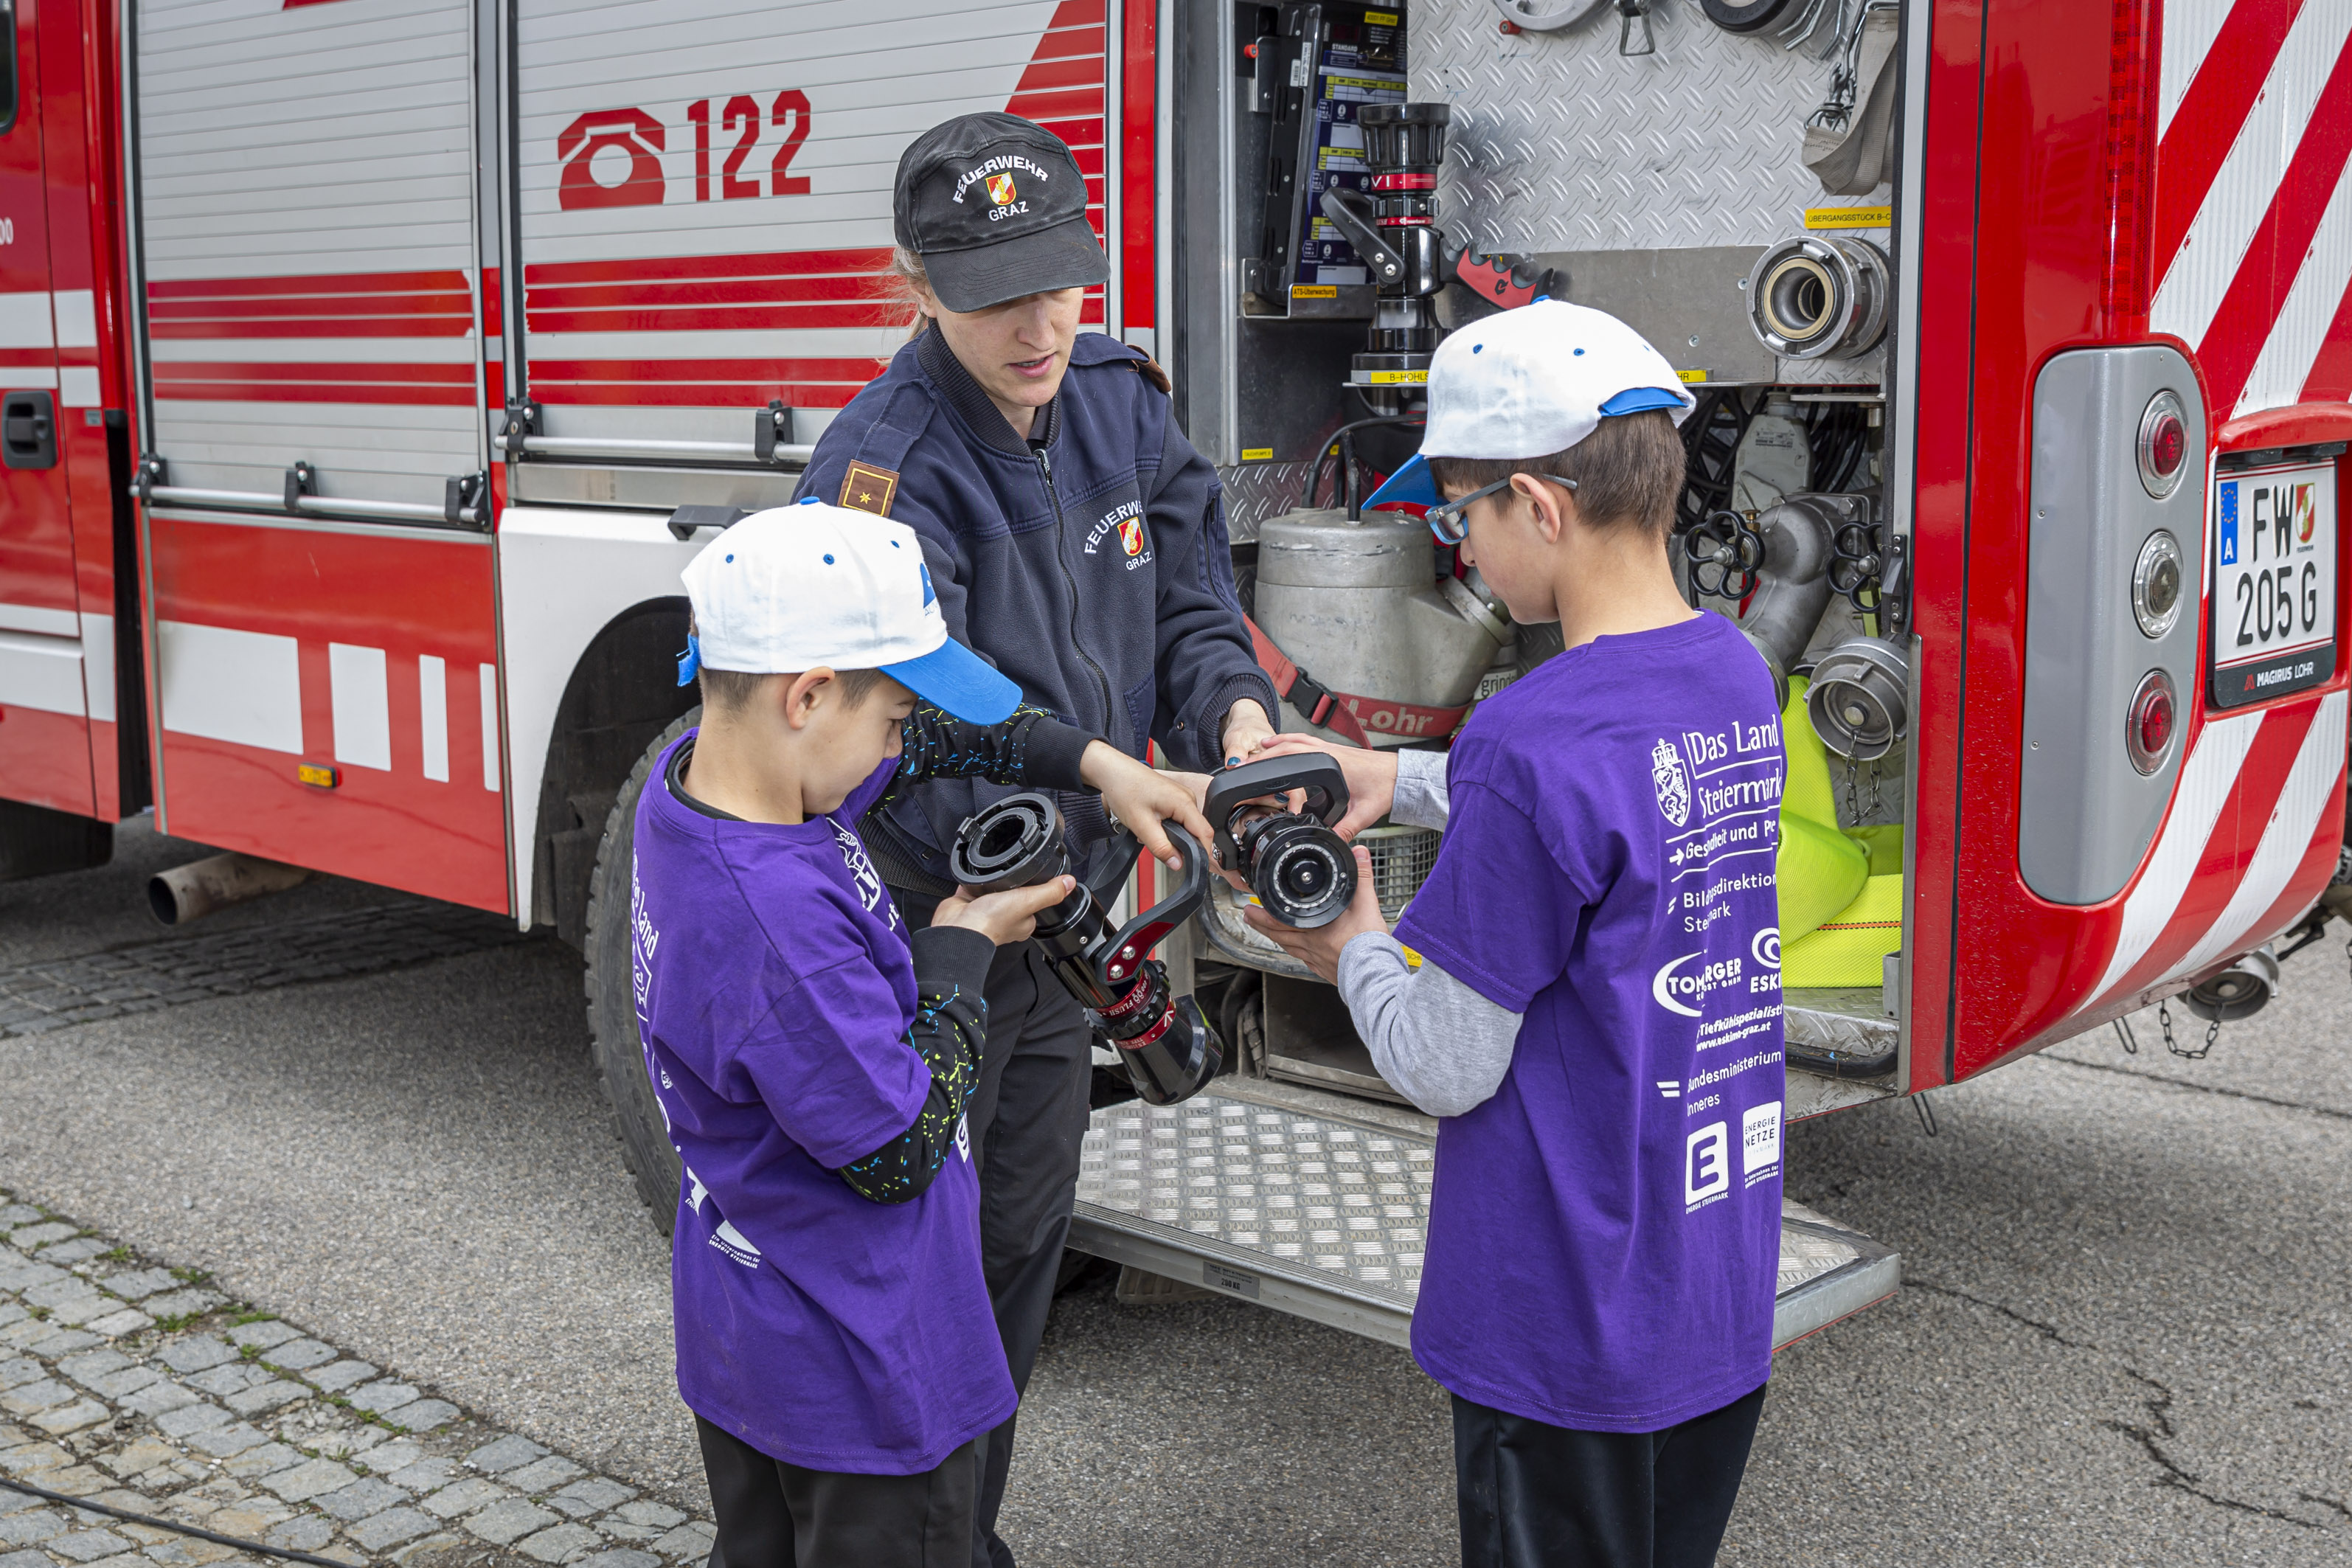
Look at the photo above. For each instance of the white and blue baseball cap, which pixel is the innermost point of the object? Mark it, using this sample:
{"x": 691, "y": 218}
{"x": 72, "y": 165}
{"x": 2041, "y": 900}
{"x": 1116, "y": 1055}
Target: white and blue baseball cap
{"x": 1528, "y": 383}
{"x": 795, "y": 587}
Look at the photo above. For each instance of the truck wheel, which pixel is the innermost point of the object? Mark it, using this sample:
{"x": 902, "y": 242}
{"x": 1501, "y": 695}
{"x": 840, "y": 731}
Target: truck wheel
{"x": 613, "y": 1040}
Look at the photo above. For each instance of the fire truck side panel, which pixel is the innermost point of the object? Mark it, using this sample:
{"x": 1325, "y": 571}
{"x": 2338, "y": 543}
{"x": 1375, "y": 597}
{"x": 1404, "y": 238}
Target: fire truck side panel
{"x": 362, "y": 655}
{"x": 704, "y": 204}
{"x": 44, "y": 702}
{"x": 79, "y": 111}
{"x": 307, "y": 220}
{"x": 2253, "y": 825}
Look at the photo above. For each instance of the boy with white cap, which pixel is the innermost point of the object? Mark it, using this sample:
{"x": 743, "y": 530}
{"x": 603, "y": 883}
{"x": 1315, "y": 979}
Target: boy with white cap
{"x": 1588, "y": 994}
{"x": 812, "y": 1058}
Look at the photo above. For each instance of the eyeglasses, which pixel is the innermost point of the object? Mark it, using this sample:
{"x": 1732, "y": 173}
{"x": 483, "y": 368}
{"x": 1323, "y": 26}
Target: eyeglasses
{"x": 1445, "y": 520}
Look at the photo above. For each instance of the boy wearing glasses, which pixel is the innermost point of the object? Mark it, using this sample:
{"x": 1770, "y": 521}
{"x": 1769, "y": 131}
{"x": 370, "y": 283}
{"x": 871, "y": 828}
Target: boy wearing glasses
{"x": 1594, "y": 1013}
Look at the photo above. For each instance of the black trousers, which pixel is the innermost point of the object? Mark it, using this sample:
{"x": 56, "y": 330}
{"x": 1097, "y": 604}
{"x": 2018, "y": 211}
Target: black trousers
{"x": 1536, "y": 1496}
{"x": 775, "y": 1515}
{"x": 1028, "y": 1122}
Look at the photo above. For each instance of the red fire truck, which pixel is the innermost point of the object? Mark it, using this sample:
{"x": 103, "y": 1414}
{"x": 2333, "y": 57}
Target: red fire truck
{"x": 369, "y": 369}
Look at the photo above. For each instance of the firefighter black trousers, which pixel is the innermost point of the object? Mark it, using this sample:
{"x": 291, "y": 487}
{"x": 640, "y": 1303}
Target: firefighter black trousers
{"x": 1536, "y": 1496}
{"x": 1028, "y": 1123}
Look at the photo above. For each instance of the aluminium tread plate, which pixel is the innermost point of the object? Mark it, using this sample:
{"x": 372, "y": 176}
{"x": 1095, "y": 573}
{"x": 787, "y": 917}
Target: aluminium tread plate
{"x": 1326, "y": 1219}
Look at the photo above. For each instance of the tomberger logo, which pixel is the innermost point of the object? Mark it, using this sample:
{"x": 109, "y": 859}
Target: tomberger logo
{"x": 1672, "y": 784}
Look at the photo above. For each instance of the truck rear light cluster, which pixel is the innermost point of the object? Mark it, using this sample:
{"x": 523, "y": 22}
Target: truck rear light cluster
{"x": 2163, "y": 445}
{"x": 2148, "y": 728}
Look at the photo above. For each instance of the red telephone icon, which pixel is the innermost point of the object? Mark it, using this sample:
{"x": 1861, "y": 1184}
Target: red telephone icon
{"x": 634, "y": 132}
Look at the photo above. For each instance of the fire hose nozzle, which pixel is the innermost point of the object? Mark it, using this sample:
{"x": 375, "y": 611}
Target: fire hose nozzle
{"x": 1164, "y": 1041}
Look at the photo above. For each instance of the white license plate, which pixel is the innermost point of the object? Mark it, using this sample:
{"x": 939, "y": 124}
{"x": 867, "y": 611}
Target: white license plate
{"x": 2273, "y": 592}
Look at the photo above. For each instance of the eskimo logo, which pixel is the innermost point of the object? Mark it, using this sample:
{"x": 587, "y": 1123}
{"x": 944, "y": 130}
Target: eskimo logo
{"x": 1679, "y": 993}
{"x": 1673, "y": 783}
{"x": 1766, "y": 948}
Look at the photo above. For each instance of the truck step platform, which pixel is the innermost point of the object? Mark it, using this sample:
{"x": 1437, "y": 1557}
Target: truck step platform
{"x": 1318, "y": 1206}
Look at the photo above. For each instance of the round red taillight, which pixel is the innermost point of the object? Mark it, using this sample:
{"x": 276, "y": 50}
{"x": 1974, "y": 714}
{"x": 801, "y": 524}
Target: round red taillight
{"x": 2163, "y": 444}
{"x": 2148, "y": 728}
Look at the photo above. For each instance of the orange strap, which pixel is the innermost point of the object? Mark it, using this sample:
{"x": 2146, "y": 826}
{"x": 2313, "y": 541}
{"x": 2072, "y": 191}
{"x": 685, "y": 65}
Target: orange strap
{"x": 1356, "y": 718}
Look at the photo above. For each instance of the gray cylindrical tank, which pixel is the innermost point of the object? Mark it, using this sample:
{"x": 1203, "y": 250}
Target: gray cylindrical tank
{"x": 1360, "y": 606}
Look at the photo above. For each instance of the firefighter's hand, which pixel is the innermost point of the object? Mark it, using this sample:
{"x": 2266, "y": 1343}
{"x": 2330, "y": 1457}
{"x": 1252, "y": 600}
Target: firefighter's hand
{"x": 1247, "y": 729}
{"x": 1318, "y": 949}
{"x": 1144, "y": 800}
{"x": 1009, "y": 916}
{"x": 1372, "y": 778}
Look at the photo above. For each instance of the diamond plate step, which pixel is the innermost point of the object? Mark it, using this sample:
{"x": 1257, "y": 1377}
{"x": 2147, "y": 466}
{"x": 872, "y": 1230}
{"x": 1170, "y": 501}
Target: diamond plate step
{"x": 1325, "y": 1219}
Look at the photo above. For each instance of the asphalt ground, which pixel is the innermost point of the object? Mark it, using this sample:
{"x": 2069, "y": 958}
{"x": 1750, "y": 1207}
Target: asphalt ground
{"x": 2126, "y": 1336}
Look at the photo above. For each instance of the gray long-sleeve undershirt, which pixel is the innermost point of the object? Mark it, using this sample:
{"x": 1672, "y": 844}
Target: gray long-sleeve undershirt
{"x": 1436, "y": 1041}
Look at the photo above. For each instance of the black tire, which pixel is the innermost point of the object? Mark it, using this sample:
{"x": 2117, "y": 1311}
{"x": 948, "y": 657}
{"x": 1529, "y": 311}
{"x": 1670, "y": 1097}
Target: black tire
{"x": 613, "y": 1040}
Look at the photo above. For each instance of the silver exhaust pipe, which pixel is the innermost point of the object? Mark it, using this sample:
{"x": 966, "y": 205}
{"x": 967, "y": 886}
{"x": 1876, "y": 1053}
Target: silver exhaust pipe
{"x": 192, "y": 891}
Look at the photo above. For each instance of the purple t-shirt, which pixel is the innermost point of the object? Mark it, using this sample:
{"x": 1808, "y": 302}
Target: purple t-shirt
{"x": 1604, "y": 1233}
{"x": 774, "y": 990}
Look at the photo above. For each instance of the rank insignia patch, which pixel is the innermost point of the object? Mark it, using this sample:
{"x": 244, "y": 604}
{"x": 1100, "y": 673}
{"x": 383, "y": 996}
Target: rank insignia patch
{"x": 869, "y": 489}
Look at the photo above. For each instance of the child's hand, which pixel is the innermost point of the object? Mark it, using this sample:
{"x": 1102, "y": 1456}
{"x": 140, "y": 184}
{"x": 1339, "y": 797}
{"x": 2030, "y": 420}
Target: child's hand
{"x": 1003, "y": 916}
{"x": 1318, "y": 949}
{"x": 1145, "y": 799}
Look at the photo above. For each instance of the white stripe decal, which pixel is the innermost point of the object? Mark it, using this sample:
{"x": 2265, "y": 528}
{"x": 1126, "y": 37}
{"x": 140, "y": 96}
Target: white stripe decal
{"x": 2295, "y": 337}
{"x": 77, "y": 313}
{"x": 432, "y": 707}
{"x": 97, "y": 665}
{"x": 40, "y": 672}
{"x": 245, "y": 688}
{"x": 490, "y": 727}
{"x": 33, "y": 618}
{"x": 24, "y": 323}
{"x": 2249, "y": 177}
{"x": 2190, "y": 28}
{"x": 77, "y": 387}
{"x": 2206, "y": 779}
{"x": 355, "y": 679}
{"x": 2286, "y": 837}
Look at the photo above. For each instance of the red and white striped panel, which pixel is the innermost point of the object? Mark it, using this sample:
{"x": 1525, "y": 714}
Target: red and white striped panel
{"x": 2243, "y": 831}
{"x": 2254, "y": 199}
{"x": 748, "y": 260}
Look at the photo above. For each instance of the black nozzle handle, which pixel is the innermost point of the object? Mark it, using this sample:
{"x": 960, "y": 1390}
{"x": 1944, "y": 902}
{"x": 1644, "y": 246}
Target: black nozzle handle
{"x": 1125, "y": 952}
{"x": 1340, "y": 204}
{"x": 1316, "y": 772}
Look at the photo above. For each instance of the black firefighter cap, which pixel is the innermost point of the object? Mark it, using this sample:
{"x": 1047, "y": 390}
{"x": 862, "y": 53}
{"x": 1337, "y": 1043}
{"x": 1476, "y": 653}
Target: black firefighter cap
{"x": 996, "y": 207}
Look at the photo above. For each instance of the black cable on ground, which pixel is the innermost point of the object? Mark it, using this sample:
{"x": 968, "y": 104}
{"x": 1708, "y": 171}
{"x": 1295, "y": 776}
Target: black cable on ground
{"x": 152, "y": 1523}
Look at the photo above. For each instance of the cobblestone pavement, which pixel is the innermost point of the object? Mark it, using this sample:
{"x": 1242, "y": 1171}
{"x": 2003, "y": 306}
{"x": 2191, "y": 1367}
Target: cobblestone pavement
{"x": 143, "y": 977}
{"x": 138, "y": 1386}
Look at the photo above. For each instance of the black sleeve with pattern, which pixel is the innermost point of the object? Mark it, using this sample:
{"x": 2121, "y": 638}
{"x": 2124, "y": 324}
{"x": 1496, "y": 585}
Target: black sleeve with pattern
{"x": 951, "y": 1027}
{"x": 1032, "y": 748}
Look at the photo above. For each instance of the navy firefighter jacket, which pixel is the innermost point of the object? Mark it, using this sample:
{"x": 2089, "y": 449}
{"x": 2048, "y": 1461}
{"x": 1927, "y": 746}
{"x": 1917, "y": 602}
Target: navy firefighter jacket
{"x": 1089, "y": 563}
